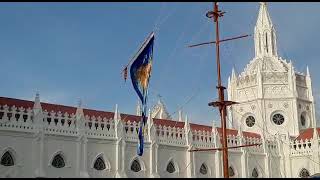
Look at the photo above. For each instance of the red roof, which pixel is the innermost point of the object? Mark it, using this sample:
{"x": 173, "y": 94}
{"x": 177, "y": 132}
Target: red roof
{"x": 167, "y": 122}
{"x": 109, "y": 115}
{"x": 306, "y": 134}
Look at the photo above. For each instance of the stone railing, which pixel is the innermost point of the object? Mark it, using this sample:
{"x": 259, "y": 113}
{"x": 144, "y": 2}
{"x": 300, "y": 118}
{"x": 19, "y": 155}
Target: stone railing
{"x": 232, "y": 141}
{"x": 58, "y": 123}
{"x": 100, "y": 128}
{"x": 17, "y": 119}
{"x": 131, "y": 129}
{"x": 253, "y": 140}
{"x": 272, "y": 147}
{"x": 170, "y": 135}
{"x": 203, "y": 139}
{"x": 64, "y": 124}
{"x": 301, "y": 147}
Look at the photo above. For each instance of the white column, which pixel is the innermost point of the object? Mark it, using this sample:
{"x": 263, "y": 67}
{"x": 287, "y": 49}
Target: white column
{"x": 315, "y": 150}
{"x": 78, "y": 155}
{"x": 154, "y": 161}
{"x": 84, "y": 172}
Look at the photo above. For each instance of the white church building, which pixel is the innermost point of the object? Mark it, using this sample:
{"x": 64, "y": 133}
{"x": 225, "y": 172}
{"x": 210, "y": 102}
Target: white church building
{"x": 276, "y": 108}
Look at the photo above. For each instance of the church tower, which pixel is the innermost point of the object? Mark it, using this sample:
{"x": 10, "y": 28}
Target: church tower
{"x": 273, "y": 98}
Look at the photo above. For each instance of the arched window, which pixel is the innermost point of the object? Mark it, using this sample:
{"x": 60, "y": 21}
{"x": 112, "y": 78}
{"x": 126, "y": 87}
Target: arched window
{"x": 259, "y": 43}
{"x": 302, "y": 120}
{"x": 231, "y": 172}
{"x": 58, "y": 161}
{"x": 6, "y": 159}
{"x": 273, "y": 43}
{"x": 267, "y": 41}
{"x": 304, "y": 173}
{"x": 203, "y": 169}
{"x": 255, "y": 173}
{"x": 99, "y": 164}
{"x": 135, "y": 166}
{"x": 170, "y": 167}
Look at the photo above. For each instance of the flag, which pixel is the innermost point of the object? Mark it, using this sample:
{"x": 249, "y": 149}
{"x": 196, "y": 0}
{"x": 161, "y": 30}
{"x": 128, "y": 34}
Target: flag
{"x": 140, "y": 72}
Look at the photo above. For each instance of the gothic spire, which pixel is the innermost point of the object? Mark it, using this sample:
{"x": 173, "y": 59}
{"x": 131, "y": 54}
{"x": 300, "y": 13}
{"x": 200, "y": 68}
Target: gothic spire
{"x": 264, "y": 34}
{"x": 263, "y": 16}
{"x": 79, "y": 110}
{"x": 37, "y": 104}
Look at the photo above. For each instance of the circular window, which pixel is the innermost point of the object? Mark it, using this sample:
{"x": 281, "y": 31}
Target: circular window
{"x": 278, "y": 119}
{"x": 250, "y": 121}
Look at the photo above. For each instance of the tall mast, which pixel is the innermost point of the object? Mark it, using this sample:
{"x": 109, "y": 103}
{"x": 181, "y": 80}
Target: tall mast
{"x": 221, "y": 103}
{"x": 222, "y": 107}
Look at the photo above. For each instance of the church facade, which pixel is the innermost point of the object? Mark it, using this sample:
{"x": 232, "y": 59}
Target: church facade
{"x": 276, "y": 110}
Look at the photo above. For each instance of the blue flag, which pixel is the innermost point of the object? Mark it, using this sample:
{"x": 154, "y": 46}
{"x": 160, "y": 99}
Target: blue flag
{"x": 140, "y": 72}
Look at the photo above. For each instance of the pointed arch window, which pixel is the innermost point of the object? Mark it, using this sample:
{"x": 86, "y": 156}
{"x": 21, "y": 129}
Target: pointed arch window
{"x": 231, "y": 171}
{"x": 304, "y": 173}
{"x": 58, "y": 161}
{"x": 303, "y": 120}
{"x": 204, "y": 169}
{"x": 170, "y": 167}
{"x": 255, "y": 173}
{"x": 99, "y": 164}
{"x": 260, "y": 35}
{"x": 7, "y": 159}
{"x": 273, "y": 43}
{"x": 135, "y": 166}
{"x": 267, "y": 41}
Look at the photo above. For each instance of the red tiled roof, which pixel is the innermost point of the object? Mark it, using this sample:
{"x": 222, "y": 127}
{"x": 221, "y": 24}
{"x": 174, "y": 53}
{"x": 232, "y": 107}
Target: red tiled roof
{"x": 95, "y": 113}
{"x": 306, "y": 134}
{"x": 109, "y": 115}
{"x": 167, "y": 122}
{"x": 200, "y": 127}
{"x": 16, "y": 102}
{"x": 56, "y": 108}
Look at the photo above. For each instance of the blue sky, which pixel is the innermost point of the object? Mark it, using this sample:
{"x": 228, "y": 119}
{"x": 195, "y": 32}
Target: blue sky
{"x": 68, "y": 51}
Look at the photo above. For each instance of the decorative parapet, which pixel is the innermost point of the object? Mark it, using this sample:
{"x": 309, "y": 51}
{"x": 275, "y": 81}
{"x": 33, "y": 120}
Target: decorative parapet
{"x": 272, "y": 147}
{"x": 170, "y": 135}
{"x": 16, "y": 119}
{"x": 112, "y": 127}
{"x": 59, "y": 124}
{"x": 202, "y": 139}
{"x": 253, "y": 140}
{"x": 131, "y": 130}
{"x": 100, "y": 128}
{"x": 301, "y": 147}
